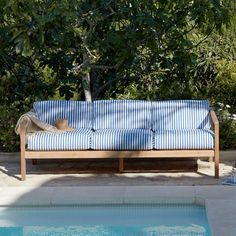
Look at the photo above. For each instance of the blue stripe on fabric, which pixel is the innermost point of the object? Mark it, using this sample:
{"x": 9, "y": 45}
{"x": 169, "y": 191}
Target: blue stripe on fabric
{"x": 180, "y": 114}
{"x": 122, "y": 139}
{"x": 122, "y": 114}
{"x": 78, "y": 113}
{"x": 184, "y": 139}
{"x": 79, "y": 139}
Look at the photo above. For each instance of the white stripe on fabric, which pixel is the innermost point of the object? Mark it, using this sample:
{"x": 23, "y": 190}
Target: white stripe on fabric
{"x": 122, "y": 114}
{"x": 180, "y": 114}
{"x": 78, "y": 113}
{"x": 184, "y": 139}
{"x": 122, "y": 139}
{"x": 79, "y": 139}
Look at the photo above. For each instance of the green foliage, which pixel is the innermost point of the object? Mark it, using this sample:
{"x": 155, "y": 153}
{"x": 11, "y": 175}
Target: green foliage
{"x": 9, "y": 142}
{"x": 225, "y": 85}
{"x": 132, "y": 39}
{"x": 227, "y": 126}
{"x": 207, "y": 71}
{"x": 113, "y": 49}
{"x": 163, "y": 64}
{"x": 228, "y": 134}
{"x": 23, "y": 84}
{"x": 223, "y": 93}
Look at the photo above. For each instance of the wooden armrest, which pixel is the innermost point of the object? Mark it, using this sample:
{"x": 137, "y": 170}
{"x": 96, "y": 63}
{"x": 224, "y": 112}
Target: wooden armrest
{"x": 22, "y": 128}
{"x": 215, "y": 122}
{"x": 214, "y": 118}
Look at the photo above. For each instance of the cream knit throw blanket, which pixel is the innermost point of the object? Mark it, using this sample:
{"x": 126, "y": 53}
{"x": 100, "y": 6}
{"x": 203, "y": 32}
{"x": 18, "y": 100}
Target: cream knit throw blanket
{"x": 33, "y": 124}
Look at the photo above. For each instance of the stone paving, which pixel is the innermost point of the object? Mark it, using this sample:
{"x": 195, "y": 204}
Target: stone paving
{"x": 58, "y": 182}
{"x": 103, "y": 173}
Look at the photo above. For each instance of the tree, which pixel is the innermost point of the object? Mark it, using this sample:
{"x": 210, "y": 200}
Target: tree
{"x": 123, "y": 41}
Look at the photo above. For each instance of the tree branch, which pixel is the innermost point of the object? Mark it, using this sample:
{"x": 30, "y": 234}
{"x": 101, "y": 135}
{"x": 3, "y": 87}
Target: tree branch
{"x": 82, "y": 65}
{"x": 201, "y": 41}
{"x": 103, "y": 67}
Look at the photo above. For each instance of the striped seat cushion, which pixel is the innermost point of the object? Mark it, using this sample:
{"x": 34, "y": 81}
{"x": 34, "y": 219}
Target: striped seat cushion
{"x": 122, "y": 139}
{"x": 78, "y": 113}
{"x": 122, "y": 114}
{"x": 184, "y": 139}
{"x": 79, "y": 139}
{"x": 180, "y": 114}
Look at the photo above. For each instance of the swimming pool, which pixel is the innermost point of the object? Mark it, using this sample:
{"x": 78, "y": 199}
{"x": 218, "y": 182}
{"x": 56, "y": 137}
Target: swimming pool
{"x": 105, "y": 220}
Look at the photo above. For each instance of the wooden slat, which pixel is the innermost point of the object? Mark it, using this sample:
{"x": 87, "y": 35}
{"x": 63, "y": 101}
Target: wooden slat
{"x": 117, "y": 154}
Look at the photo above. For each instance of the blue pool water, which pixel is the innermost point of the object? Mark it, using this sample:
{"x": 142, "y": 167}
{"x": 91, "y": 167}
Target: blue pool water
{"x": 105, "y": 220}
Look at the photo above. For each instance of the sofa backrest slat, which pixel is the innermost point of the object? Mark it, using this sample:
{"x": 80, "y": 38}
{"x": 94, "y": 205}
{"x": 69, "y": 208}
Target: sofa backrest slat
{"x": 122, "y": 114}
{"x": 127, "y": 114}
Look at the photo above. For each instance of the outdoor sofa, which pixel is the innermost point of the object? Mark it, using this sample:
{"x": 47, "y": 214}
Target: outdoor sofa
{"x": 123, "y": 129}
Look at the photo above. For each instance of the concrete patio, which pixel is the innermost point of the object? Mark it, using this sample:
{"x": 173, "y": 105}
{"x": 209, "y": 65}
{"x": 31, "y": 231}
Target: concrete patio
{"x": 103, "y": 172}
{"x": 53, "y": 183}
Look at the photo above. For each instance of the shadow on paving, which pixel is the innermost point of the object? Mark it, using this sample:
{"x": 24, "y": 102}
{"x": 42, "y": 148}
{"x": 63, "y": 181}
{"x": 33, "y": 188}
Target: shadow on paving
{"x": 105, "y": 172}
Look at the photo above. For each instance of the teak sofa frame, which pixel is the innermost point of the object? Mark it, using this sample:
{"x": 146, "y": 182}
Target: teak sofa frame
{"x": 87, "y": 154}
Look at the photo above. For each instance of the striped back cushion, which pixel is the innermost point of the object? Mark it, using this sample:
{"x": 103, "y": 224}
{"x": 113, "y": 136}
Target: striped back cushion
{"x": 122, "y": 114}
{"x": 180, "y": 114}
{"x": 78, "y": 113}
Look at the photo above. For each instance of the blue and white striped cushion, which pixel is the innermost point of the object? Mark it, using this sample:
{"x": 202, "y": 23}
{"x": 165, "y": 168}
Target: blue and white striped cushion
{"x": 78, "y": 113}
{"x": 79, "y": 139}
{"x": 122, "y": 114}
{"x": 122, "y": 139}
{"x": 180, "y": 114}
{"x": 184, "y": 139}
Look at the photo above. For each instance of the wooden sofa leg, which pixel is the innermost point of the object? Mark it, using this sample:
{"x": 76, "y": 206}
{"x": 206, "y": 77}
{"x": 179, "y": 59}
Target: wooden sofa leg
{"x": 23, "y": 168}
{"x": 217, "y": 164}
{"x": 217, "y": 150}
{"x": 217, "y": 153}
{"x": 121, "y": 165}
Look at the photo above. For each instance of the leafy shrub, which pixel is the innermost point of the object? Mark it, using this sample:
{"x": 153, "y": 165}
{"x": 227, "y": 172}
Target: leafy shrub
{"x": 9, "y": 141}
{"x": 228, "y": 134}
{"x": 227, "y": 126}
{"x": 224, "y": 89}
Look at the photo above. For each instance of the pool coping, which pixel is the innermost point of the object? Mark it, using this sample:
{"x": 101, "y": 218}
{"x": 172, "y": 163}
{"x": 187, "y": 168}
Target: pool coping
{"x": 219, "y": 200}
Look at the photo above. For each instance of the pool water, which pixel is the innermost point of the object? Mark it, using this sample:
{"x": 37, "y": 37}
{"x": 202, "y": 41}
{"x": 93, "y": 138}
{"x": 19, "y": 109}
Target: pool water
{"x": 105, "y": 220}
